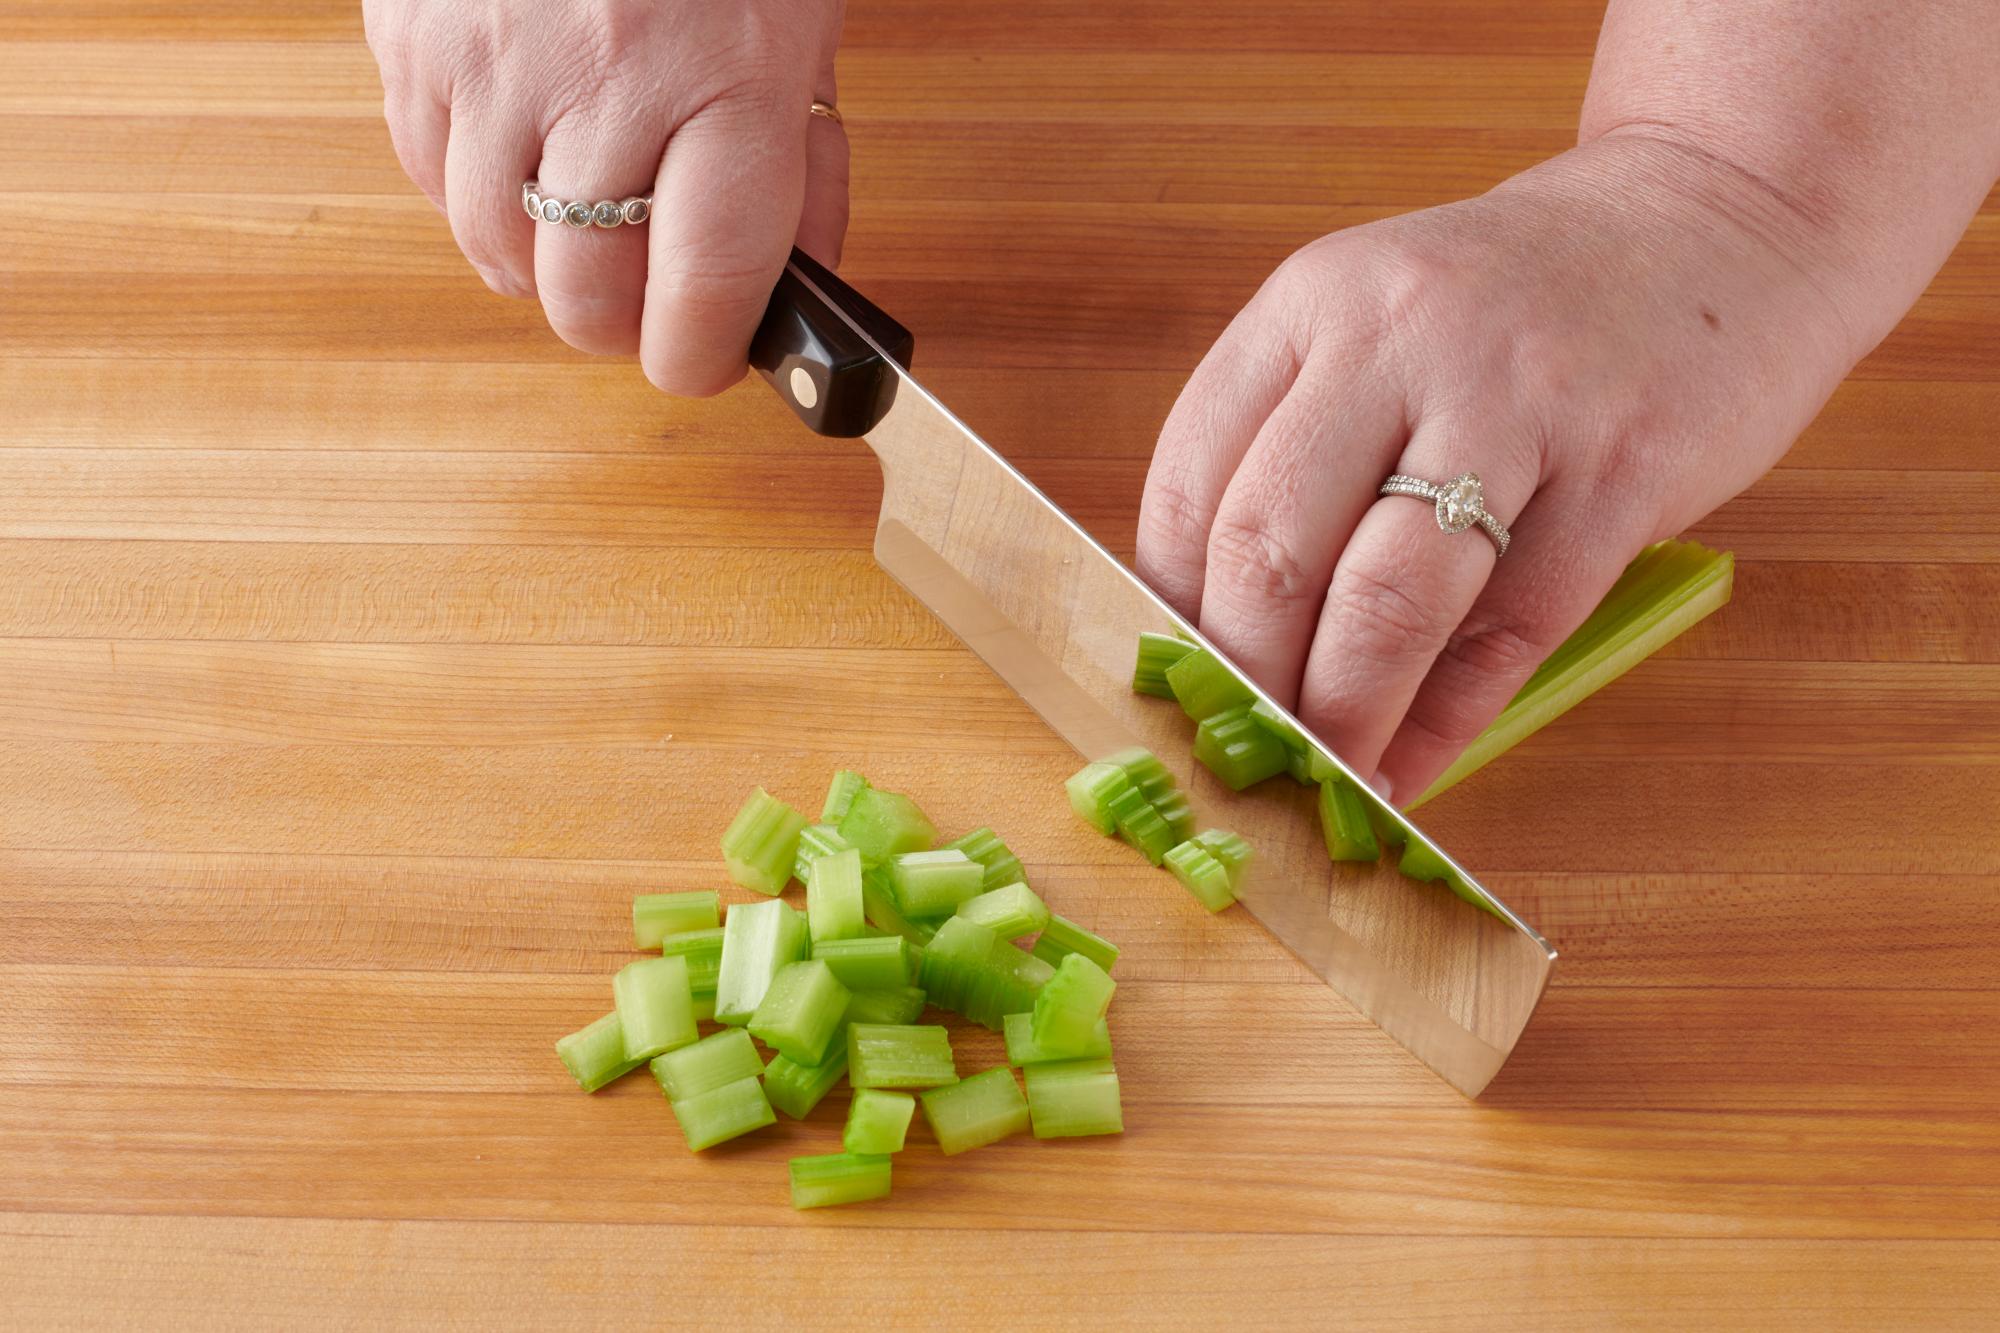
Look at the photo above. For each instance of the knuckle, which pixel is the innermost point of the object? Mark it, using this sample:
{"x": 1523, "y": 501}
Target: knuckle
{"x": 1499, "y": 650}
{"x": 1381, "y": 621}
{"x": 1170, "y": 518}
{"x": 1250, "y": 563}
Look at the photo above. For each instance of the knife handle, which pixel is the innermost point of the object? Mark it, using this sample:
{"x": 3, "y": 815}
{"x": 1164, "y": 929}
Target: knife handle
{"x": 828, "y": 374}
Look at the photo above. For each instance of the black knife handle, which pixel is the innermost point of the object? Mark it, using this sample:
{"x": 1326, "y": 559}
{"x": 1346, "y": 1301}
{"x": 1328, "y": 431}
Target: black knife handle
{"x": 830, "y": 377}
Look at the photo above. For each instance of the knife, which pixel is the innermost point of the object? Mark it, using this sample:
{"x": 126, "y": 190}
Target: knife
{"x": 1452, "y": 975}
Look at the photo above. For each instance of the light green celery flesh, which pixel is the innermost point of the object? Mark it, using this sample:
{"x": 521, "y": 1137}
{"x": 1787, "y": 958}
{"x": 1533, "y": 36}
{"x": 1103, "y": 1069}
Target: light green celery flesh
{"x": 1202, "y": 875}
{"x": 658, "y": 915}
{"x": 1069, "y": 1006}
{"x": 1073, "y": 1098}
{"x": 973, "y": 971}
{"x": 801, "y": 1011}
{"x": 1177, "y": 813}
{"x": 704, "y": 1008}
{"x": 655, "y": 1007}
{"x": 1092, "y": 791}
{"x": 882, "y": 1055}
{"x": 1205, "y": 687}
{"x": 721, "y": 1058}
{"x": 884, "y": 823}
{"x": 1146, "y": 771}
{"x": 1063, "y": 936}
{"x": 840, "y": 795}
{"x": 762, "y": 842}
{"x": 879, "y": 962}
{"x": 896, "y": 1006}
{"x": 723, "y": 1113}
{"x": 878, "y": 903}
{"x": 757, "y": 940}
{"x": 833, "y": 897}
{"x": 1232, "y": 849}
{"x": 796, "y": 1089}
{"x": 984, "y": 846}
{"x": 878, "y": 1121}
{"x": 1023, "y": 1049}
{"x": 1157, "y": 652}
{"x": 1140, "y": 825}
{"x": 976, "y": 1111}
{"x": 595, "y": 1053}
{"x": 815, "y": 841}
{"x": 1235, "y": 747}
{"x": 837, "y": 1178}
{"x": 1344, "y": 823}
{"x": 703, "y": 951}
{"x": 933, "y": 884}
{"x": 1009, "y": 912}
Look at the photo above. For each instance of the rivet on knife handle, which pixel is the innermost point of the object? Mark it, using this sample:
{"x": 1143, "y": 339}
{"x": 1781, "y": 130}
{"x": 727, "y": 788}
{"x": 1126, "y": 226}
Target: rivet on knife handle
{"x": 829, "y": 376}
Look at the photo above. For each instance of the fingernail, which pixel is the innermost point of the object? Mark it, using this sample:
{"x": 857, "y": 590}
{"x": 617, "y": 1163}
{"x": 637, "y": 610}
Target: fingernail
{"x": 1383, "y": 788}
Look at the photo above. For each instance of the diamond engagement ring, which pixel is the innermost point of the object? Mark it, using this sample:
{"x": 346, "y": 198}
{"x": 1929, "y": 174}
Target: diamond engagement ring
{"x": 1461, "y": 502}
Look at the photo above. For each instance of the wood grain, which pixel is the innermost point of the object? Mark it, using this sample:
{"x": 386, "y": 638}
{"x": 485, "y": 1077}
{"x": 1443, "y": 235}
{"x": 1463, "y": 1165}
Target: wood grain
{"x": 363, "y": 650}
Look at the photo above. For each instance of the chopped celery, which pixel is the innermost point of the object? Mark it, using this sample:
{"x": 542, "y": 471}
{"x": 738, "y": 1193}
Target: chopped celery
{"x": 879, "y": 962}
{"x": 595, "y": 1053}
{"x": 1063, "y": 936}
{"x": 1175, "y": 812}
{"x": 833, "y": 897}
{"x": 1204, "y": 686}
{"x": 722, "y": 1113}
{"x": 933, "y": 884}
{"x": 1157, "y": 652}
{"x": 1070, "y": 1098}
{"x": 757, "y": 940}
{"x": 1148, "y": 774}
{"x": 1229, "y": 848}
{"x": 654, "y": 1005}
{"x": 1343, "y": 821}
{"x": 1268, "y": 717}
{"x": 972, "y": 971}
{"x": 840, "y": 795}
{"x": 796, "y": 1089}
{"x": 878, "y": 903}
{"x": 1419, "y": 862}
{"x": 658, "y": 915}
{"x": 1023, "y": 1049}
{"x": 883, "y": 823}
{"x": 1237, "y": 748}
{"x": 1093, "y": 788}
{"x": 837, "y": 1178}
{"x": 877, "y": 1121}
{"x": 1140, "y": 824}
{"x": 815, "y": 841}
{"x": 1070, "y": 1005}
{"x": 1009, "y": 912}
{"x": 725, "y": 1057}
{"x": 977, "y": 1111}
{"x": 895, "y": 1005}
{"x": 984, "y": 846}
{"x": 704, "y": 1008}
{"x": 1202, "y": 875}
{"x": 703, "y": 951}
{"x": 761, "y": 842}
{"x": 799, "y": 1013}
{"x": 899, "y": 1055}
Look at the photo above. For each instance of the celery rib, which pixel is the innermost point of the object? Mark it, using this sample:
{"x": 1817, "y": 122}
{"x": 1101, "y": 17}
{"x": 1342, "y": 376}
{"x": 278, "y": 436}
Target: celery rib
{"x": 840, "y": 795}
{"x": 654, "y": 1005}
{"x": 800, "y": 1011}
{"x": 880, "y": 962}
{"x": 1023, "y": 1049}
{"x": 761, "y": 843}
{"x": 878, "y": 1121}
{"x": 815, "y": 841}
{"x": 933, "y": 884}
{"x": 722, "y": 1058}
{"x": 1072, "y": 1098}
{"x": 837, "y": 1178}
{"x": 1344, "y": 822}
{"x": 1009, "y": 912}
{"x": 1204, "y": 686}
{"x": 595, "y": 1053}
{"x": 1202, "y": 875}
{"x": 658, "y": 915}
{"x": 983, "y": 845}
{"x": 1238, "y": 749}
{"x": 884, "y": 823}
{"x": 1063, "y": 936}
{"x": 1093, "y": 789}
{"x": 1069, "y": 1006}
{"x": 1157, "y": 652}
{"x": 796, "y": 1089}
{"x": 833, "y": 897}
{"x": 895, "y": 1005}
{"x": 723, "y": 1113}
{"x": 757, "y": 939}
{"x": 702, "y": 950}
{"x": 976, "y": 1111}
{"x": 909, "y": 1055}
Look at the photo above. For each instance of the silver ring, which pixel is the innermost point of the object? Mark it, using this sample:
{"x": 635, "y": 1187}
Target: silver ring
{"x": 1461, "y": 503}
{"x": 581, "y": 213}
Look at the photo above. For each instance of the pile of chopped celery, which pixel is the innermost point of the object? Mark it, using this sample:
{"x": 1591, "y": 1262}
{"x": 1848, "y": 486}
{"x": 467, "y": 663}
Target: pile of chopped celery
{"x": 893, "y": 925}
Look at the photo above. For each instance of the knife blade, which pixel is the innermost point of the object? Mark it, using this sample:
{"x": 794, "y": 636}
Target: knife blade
{"x": 1454, "y": 977}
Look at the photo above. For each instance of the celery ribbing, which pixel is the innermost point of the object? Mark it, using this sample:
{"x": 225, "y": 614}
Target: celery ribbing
{"x": 1140, "y": 824}
{"x": 883, "y": 823}
{"x": 1069, "y": 1006}
{"x": 726, "y": 1057}
{"x": 878, "y": 1121}
{"x": 972, "y": 971}
{"x": 1071, "y": 1098}
{"x": 595, "y": 1053}
{"x": 1177, "y": 814}
{"x": 655, "y": 1008}
{"x": 878, "y": 903}
{"x": 815, "y": 841}
{"x": 878, "y": 962}
{"x": 1204, "y": 686}
{"x": 1152, "y": 777}
{"x": 703, "y": 951}
{"x": 976, "y": 1111}
{"x": 1237, "y": 748}
{"x": 761, "y": 842}
{"x": 1092, "y": 791}
{"x": 895, "y": 1005}
{"x": 1063, "y": 936}
{"x": 757, "y": 940}
{"x": 1023, "y": 1049}
{"x": 658, "y": 915}
{"x": 796, "y": 1089}
{"x": 727, "y": 1112}
{"x": 800, "y": 1012}
{"x": 912, "y": 1055}
{"x": 1202, "y": 875}
{"x": 840, "y": 795}
{"x": 1344, "y": 822}
{"x": 1157, "y": 652}
{"x": 984, "y": 846}
{"x": 837, "y": 1178}
{"x": 1229, "y": 848}
{"x": 833, "y": 897}
{"x": 1009, "y": 912}
{"x": 933, "y": 884}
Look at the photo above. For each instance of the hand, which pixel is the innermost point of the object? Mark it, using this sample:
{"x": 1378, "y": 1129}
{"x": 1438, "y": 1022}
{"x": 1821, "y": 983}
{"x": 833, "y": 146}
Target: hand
{"x": 1615, "y": 342}
{"x": 702, "y": 104}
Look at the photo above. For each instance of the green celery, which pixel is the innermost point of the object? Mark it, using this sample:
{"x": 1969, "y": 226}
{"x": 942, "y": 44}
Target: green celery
{"x": 1344, "y": 822}
{"x": 761, "y": 843}
{"x": 1419, "y": 862}
{"x": 1267, "y": 716}
{"x": 654, "y": 1005}
{"x": 1001, "y": 865}
{"x": 801, "y": 1011}
{"x": 833, "y": 897}
{"x": 1092, "y": 789}
{"x": 883, "y": 823}
{"x": 1009, "y": 912}
{"x": 880, "y": 962}
{"x": 757, "y": 940}
{"x": 1069, "y": 1006}
{"x": 840, "y": 795}
{"x": 815, "y": 841}
{"x": 658, "y": 915}
{"x": 1153, "y": 779}
{"x": 1177, "y": 814}
{"x": 976, "y": 1111}
{"x": 1140, "y": 825}
{"x": 1023, "y": 1049}
{"x": 933, "y": 884}
{"x": 796, "y": 1089}
{"x": 894, "y": 1005}
{"x": 704, "y": 1008}
{"x": 595, "y": 1053}
{"x": 1205, "y": 687}
{"x": 837, "y": 1178}
{"x": 1202, "y": 875}
{"x": 1229, "y": 848}
{"x": 722, "y": 1058}
{"x": 1157, "y": 652}
{"x": 899, "y": 1055}
{"x": 973, "y": 971}
{"x": 1236, "y": 748}
{"x": 878, "y": 1121}
{"x": 878, "y": 903}
{"x": 703, "y": 951}
{"x": 1063, "y": 936}
{"x": 1071, "y": 1098}
{"x": 723, "y": 1113}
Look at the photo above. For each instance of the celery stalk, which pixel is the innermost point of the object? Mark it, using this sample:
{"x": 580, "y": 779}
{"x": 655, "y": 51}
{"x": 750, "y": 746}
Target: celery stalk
{"x": 902, "y": 1055}
{"x": 976, "y": 1111}
{"x": 815, "y": 841}
{"x": 727, "y": 1112}
{"x": 1069, "y": 1006}
{"x": 833, "y": 897}
{"x": 1157, "y": 652}
{"x": 1001, "y": 865}
{"x": 1177, "y": 814}
{"x": 799, "y": 1013}
{"x": 878, "y": 1121}
{"x": 1139, "y": 824}
{"x": 757, "y": 940}
{"x": 1153, "y": 779}
{"x": 878, "y": 903}
{"x": 1237, "y": 748}
{"x": 972, "y": 971}
{"x": 1344, "y": 822}
{"x": 837, "y": 1178}
{"x": 703, "y": 951}
{"x": 725, "y": 1057}
{"x": 658, "y": 915}
{"x": 1063, "y": 936}
{"x": 1092, "y": 790}
{"x": 880, "y": 962}
{"x": 1202, "y": 875}
{"x": 595, "y": 1053}
{"x": 704, "y": 1008}
{"x": 1204, "y": 686}
{"x": 1070, "y": 1098}
{"x": 1009, "y": 912}
{"x": 796, "y": 1089}
{"x": 895, "y": 1005}
{"x": 840, "y": 795}
{"x": 654, "y": 1005}
{"x": 933, "y": 884}
{"x": 1229, "y": 848}
{"x": 1023, "y": 1049}
{"x": 883, "y": 823}
{"x": 1297, "y": 752}
{"x": 761, "y": 843}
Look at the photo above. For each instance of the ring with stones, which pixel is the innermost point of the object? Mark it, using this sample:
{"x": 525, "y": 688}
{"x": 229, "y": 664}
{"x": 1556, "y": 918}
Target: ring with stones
{"x": 1461, "y": 503}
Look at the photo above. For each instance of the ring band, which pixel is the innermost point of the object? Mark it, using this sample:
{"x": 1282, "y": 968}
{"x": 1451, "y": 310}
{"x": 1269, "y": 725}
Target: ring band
{"x": 825, "y": 109}
{"x": 1461, "y": 503}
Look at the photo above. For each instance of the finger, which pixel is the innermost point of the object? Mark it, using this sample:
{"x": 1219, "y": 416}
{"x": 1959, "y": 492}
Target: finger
{"x": 1563, "y": 558}
{"x": 730, "y": 193}
{"x": 420, "y": 130}
{"x": 1288, "y": 511}
{"x": 1398, "y": 591}
{"x": 485, "y": 164}
{"x": 592, "y": 281}
{"x": 823, "y": 222}
{"x": 1234, "y": 390}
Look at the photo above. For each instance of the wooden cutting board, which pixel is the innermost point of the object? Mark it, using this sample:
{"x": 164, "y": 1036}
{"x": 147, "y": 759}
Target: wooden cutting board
{"x": 363, "y": 650}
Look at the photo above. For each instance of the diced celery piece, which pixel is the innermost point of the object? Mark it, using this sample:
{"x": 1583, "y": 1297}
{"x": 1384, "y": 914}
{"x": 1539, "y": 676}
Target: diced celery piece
{"x": 1205, "y": 686}
{"x": 933, "y": 884}
{"x": 799, "y": 1013}
{"x": 722, "y": 1058}
{"x": 1273, "y": 721}
{"x": 972, "y": 971}
{"x": 899, "y": 1055}
{"x": 1237, "y": 749}
{"x": 1070, "y": 1005}
{"x": 1229, "y": 848}
{"x": 1421, "y": 863}
{"x": 595, "y": 1053}
{"x": 1009, "y": 912}
{"x": 654, "y": 1005}
{"x": 1092, "y": 789}
{"x": 1157, "y": 652}
{"x": 703, "y": 951}
{"x": 878, "y": 903}
{"x": 1063, "y": 936}
{"x": 1140, "y": 824}
{"x": 880, "y": 962}
{"x": 837, "y": 1178}
{"x": 704, "y": 1008}
{"x": 833, "y": 897}
{"x": 840, "y": 795}
{"x": 1175, "y": 812}
{"x": 757, "y": 940}
{"x": 1071, "y": 1098}
{"x": 1023, "y": 1049}
{"x": 761, "y": 843}
{"x": 1153, "y": 779}
{"x": 984, "y": 846}
{"x": 796, "y": 1089}
{"x": 877, "y": 1121}
{"x": 727, "y": 1112}
{"x": 658, "y": 915}
{"x": 895, "y": 1005}
{"x": 976, "y": 1111}
{"x": 815, "y": 841}
{"x": 883, "y": 823}
{"x": 1202, "y": 875}
{"x": 1343, "y": 821}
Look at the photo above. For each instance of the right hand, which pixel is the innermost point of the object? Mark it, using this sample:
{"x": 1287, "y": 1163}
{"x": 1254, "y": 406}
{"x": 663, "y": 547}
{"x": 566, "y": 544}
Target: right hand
{"x": 703, "y": 104}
